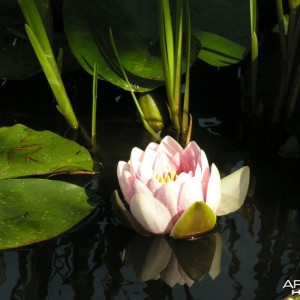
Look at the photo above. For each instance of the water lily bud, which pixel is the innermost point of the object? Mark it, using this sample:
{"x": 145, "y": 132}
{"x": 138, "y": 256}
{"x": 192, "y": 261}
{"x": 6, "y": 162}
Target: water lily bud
{"x": 153, "y": 108}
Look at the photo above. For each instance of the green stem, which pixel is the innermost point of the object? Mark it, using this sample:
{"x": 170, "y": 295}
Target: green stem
{"x": 38, "y": 37}
{"x": 168, "y": 58}
{"x": 294, "y": 96}
{"x": 282, "y": 36}
{"x": 94, "y": 108}
{"x": 254, "y": 57}
{"x": 185, "y": 112}
{"x": 140, "y": 111}
{"x": 178, "y": 56}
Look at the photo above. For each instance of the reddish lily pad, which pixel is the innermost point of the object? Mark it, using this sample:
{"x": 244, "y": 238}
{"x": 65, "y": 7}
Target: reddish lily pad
{"x": 196, "y": 220}
{"x": 26, "y": 152}
{"x": 34, "y": 210}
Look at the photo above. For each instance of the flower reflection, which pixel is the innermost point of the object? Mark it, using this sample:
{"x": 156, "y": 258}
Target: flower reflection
{"x": 174, "y": 261}
{"x": 171, "y": 190}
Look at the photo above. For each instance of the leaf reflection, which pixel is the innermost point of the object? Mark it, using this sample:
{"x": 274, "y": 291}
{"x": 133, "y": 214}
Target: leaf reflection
{"x": 174, "y": 261}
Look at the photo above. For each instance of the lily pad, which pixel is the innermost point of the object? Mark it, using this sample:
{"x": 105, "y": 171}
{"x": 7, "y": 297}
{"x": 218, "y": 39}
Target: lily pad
{"x": 134, "y": 27}
{"x": 222, "y": 28}
{"x": 26, "y": 152}
{"x": 34, "y": 210}
{"x": 196, "y": 220}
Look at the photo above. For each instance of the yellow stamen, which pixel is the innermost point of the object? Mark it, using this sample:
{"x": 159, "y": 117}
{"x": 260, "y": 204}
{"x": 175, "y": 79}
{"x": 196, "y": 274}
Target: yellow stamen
{"x": 167, "y": 177}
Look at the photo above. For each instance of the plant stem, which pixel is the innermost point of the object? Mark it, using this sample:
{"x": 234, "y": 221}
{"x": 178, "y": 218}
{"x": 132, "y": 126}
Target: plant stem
{"x": 186, "y": 127}
{"x": 168, "y": 58}
{"x": 140, "y": 111}
{"x": 254, "y": 57}
{"x": 39, "y": 40}
{"x": 94, "y": 108}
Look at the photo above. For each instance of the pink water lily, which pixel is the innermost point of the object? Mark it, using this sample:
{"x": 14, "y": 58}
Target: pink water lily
{"x": 162, "y": 182}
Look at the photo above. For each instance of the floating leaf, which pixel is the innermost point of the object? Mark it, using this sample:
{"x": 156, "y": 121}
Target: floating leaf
{"x": 26, "y": 152}
{"x": 33, "y": 210}
{"x": 197, "y": 219}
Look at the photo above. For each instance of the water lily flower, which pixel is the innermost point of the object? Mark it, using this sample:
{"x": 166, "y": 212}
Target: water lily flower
{"x": 171, "y": 190}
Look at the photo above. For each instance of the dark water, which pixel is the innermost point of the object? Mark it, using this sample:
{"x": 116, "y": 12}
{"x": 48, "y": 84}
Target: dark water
{"x": 259, "y": 245}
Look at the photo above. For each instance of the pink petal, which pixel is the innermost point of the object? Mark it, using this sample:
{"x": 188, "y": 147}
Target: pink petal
{"x": 154, "y": 185}
{"x": 202, "y": 164}
{"x": 147, "y": 165}
{"x": 204, "y": 161}
{"x": 168, "y": 196}
{"x": 213, "y": 196}
{"x": 136, "y": 158}
{"x": 169, "y": 146}
{"x": 191, "y": 191}
{"x": 152, "y": 146}
{"x": 140, "y": 187}
{"x": 162, "y": 164}
{"x": 125, "y": 180}
{"x": 176, "y": 162}
{"x": 190, "y": 156}
{"x": 151, "y": 213}
{"x": 205, "y": 173}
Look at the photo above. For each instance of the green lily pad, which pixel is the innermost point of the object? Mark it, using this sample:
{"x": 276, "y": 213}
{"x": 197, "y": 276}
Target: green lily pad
{"x": 196, "y": 220}
{"x": 34, "y": 210}
{"x": 26, "y": 152}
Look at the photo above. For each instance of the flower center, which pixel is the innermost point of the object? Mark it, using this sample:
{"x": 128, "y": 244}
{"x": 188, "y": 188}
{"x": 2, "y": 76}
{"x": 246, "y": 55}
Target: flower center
{"x": 166, "y": 177}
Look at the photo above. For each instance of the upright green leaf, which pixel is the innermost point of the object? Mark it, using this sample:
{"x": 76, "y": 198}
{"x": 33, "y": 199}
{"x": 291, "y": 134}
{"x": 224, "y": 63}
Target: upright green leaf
{"x": 38, "y": 37}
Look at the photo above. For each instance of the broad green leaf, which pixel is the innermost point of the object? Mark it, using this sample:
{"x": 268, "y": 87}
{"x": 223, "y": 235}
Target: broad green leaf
{"x": 230, "y": 53}
{"x": 33, "y": 210}
{"x": 134, "y": 26}
{"x": 26, "y": 152}
{"x": 196, "y": 220}
{"x": 222, "y": 28}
